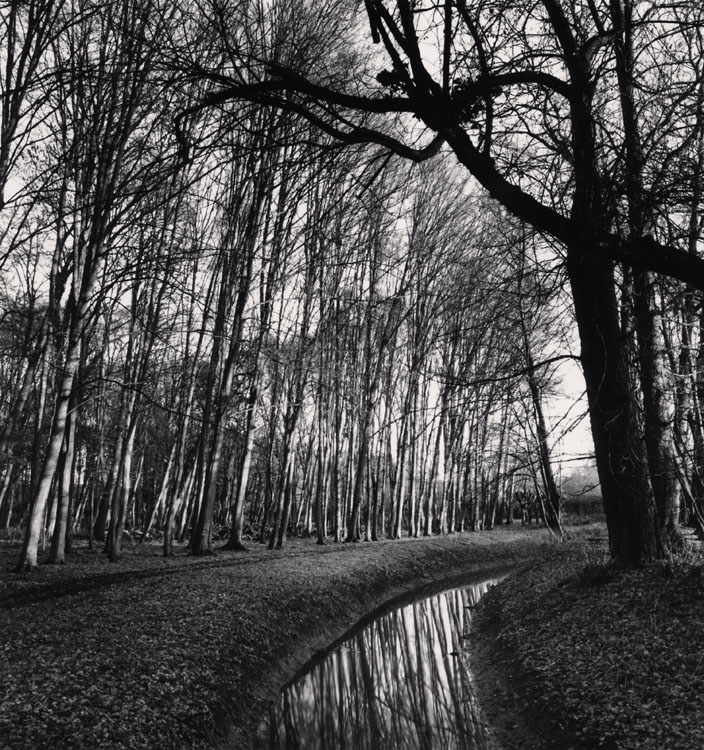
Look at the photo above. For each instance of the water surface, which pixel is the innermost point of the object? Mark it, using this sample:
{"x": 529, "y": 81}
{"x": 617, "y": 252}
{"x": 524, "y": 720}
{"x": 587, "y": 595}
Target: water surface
{"x": 400, "y": 682}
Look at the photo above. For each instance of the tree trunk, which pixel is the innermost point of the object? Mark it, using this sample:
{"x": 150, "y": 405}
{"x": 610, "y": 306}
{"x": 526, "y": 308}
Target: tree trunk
{"x": 60, "y": 535}
{"x": 631, "y": 520}
{"x": 28, "y": 556}
{"x": 659, "y": 406}
{"x": 122, "y": 493}
{"x": 289, "y": 494}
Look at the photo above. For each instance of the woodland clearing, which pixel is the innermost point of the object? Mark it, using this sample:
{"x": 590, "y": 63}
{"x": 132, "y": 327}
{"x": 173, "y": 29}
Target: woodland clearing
{"x": 188, "y": 652}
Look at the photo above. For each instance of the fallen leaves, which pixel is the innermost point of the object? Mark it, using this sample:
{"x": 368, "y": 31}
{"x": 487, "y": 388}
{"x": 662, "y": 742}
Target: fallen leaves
{"x": 172, "y": 654}
{"x": 615, "y": 654}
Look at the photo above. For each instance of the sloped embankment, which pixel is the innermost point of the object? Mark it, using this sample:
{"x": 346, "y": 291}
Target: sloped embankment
{"x": 187, "y": 653}
{"x": 586, "y": 655}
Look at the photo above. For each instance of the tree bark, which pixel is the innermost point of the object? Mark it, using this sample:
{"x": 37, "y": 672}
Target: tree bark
{"x": 634, "y": 533}
{"x": 60, "y": 535}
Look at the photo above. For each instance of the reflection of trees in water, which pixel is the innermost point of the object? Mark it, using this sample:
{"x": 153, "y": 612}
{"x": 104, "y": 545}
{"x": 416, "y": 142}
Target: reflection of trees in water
{"x": 402, "y": 682}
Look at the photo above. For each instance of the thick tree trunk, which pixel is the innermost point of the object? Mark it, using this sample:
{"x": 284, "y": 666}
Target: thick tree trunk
{"x": 634, "y": 533}
{"x": 658, "y": 405}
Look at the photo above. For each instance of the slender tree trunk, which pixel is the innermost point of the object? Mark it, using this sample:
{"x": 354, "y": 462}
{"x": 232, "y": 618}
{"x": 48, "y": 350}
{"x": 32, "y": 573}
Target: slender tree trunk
{"x": 60, "y": 535}
{"x": 289, "y": 494}
{"x": 122, "y": 493}
{"x": 235, "y": 542}
{"x": 28, "y": 556}
{"x": 276, "y": 537}
{"x": 163, "y": 495}
{"x": 552, "y": 509}
{"x": 431, "y": 511}
{"x": 107, "y": 497}
{"x": 6, "y": 484}
{"x": 413, "y": 493}
{"x": 400, "y": 490}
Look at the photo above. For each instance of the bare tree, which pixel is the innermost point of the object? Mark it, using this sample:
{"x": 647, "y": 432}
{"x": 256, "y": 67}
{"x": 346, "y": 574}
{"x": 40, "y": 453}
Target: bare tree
{"x": 452, "y": 67}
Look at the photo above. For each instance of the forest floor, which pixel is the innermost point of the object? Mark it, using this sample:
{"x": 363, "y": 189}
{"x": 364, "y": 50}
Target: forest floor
{"x": 187, "y": 653}
{"x": 574, "y": 653}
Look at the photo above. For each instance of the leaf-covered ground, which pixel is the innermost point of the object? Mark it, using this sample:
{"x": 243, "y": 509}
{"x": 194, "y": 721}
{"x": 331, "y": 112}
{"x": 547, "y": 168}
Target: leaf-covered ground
{"x": 590, "y": 656}
{"x": 187, "y": 653}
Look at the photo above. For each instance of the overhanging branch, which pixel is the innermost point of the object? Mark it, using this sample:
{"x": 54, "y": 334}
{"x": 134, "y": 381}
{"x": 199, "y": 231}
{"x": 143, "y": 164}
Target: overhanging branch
{"x": 317, "y": 104}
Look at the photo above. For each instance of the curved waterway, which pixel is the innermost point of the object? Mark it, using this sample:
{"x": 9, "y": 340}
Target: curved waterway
{"x": 398, "y": 682}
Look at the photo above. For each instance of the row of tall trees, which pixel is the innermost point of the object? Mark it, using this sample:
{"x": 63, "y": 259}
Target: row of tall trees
{"x": 584, "y": 120}
{"x": 227, "y": 301}
{"x": 277, "y": 347}
{"x": 228, "y": 321}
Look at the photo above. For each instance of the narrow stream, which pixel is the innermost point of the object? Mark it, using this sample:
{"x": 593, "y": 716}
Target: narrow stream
{"x": 400, "y": 682}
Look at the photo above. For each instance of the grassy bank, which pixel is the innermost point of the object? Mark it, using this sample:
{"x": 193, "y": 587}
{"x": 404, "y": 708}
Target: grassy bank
{"x": 186, "y": 653}
{"x": 586, "y": 655}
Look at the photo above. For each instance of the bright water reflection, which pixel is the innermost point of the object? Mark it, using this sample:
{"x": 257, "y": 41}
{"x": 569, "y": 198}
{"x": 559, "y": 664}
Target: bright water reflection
{"x": 402, "y": 682}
